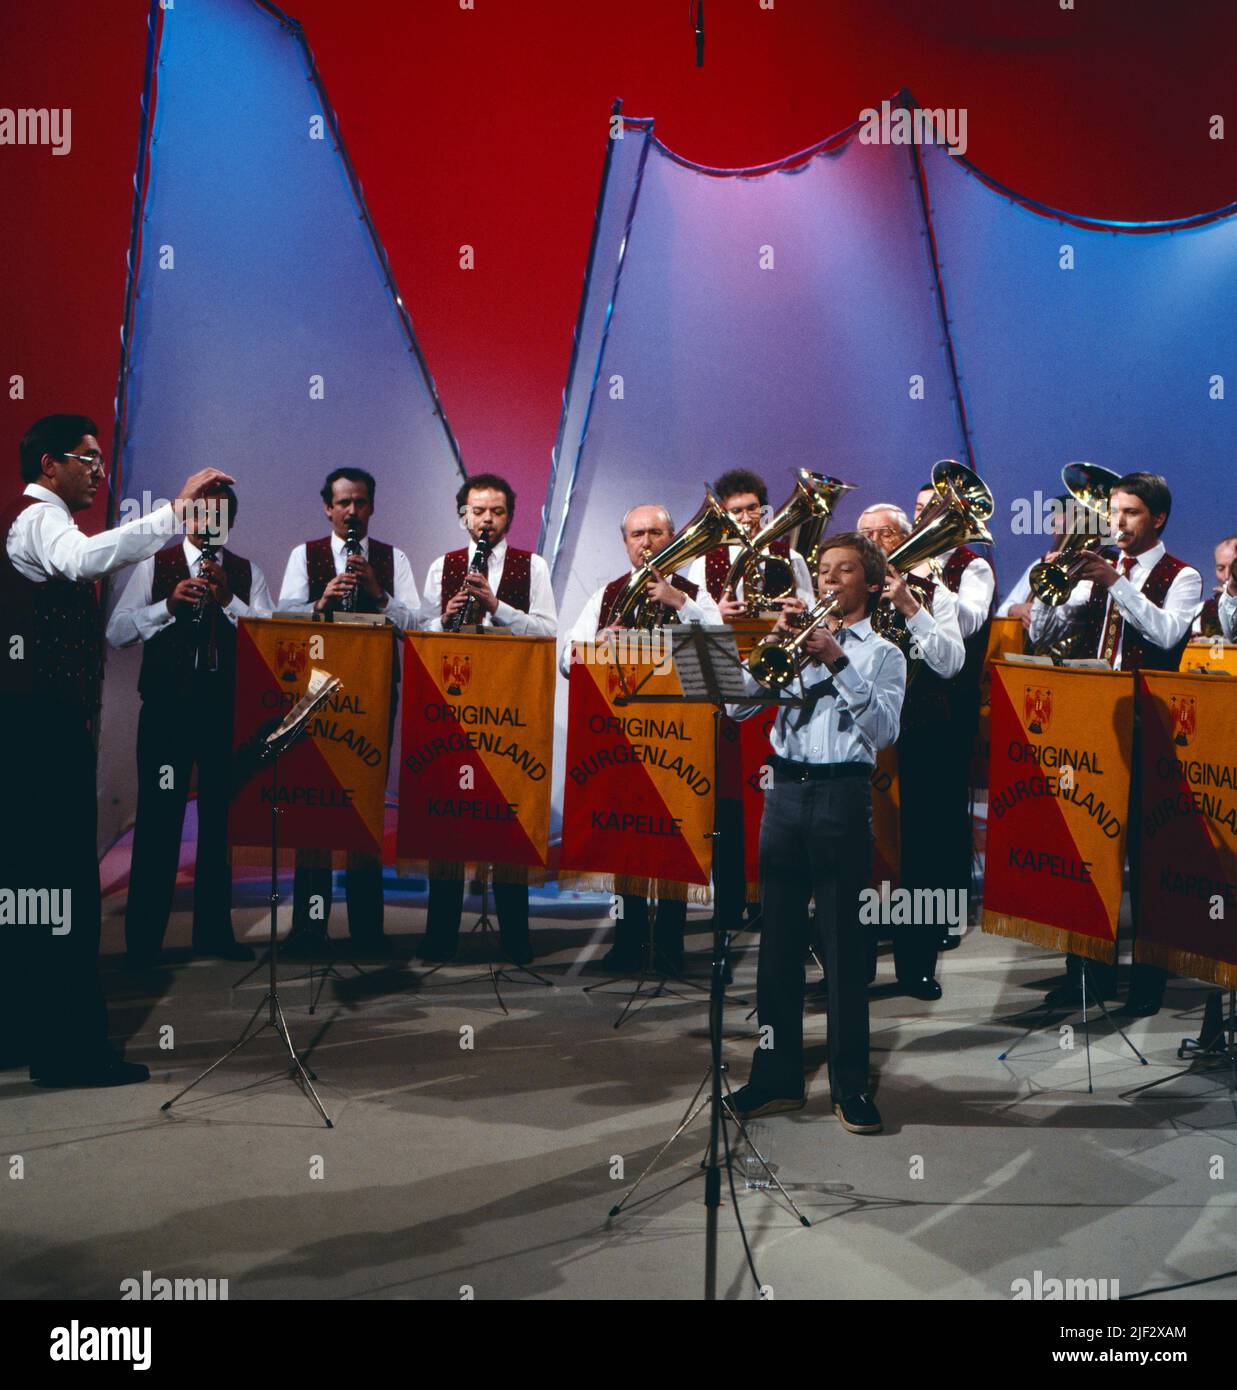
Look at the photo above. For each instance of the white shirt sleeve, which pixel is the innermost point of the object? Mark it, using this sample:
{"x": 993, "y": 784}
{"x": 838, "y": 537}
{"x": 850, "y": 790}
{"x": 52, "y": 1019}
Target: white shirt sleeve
{"x": 1020, "y": 593}
{"x": 541, "y": 620}
{"x": 404, "y": 605}
{"x": 1050, "y": 625}
{"x": 45, "y": 542}
{"x": 584, "y": 629}
{"x": 294, "y": 591}
{"x": 259, "y": 605}
{"x": 135, "y": 618}
{"x": 431, "y": 598}
{"x": 975, "y": 591}
{"x": 1166, "y": 626}
{"x": 1228, "y": 615}
{"x": 701, "y": 609}
{"x": 875, "y": 703}
{"x": 938, "y": 635}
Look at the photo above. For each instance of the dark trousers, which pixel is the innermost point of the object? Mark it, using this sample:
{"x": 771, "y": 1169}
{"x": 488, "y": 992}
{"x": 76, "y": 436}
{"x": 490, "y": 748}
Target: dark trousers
{"x": 934, "y": 784}
{"x": 815, "y": 843}
{"x": 53, "y": 1015}
{"x": 637, "y": 926}
{"x": 362, "y": 892}
{"x": 173, "y": 736}
{"x": 446, "y": 907}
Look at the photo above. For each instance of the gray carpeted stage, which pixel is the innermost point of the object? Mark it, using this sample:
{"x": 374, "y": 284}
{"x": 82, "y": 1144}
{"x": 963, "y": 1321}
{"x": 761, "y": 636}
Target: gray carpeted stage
{"x": 491, "y": 1167}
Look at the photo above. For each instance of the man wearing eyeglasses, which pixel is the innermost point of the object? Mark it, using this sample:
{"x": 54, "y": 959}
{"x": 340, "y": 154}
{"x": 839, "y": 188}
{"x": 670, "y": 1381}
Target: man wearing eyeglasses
{"x": 51, "y": 667}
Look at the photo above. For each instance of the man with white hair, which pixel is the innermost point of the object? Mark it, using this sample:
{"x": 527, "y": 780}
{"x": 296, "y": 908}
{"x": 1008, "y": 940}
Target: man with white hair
{"x": 647, "y": 528}
{"x": 934, "y": 800}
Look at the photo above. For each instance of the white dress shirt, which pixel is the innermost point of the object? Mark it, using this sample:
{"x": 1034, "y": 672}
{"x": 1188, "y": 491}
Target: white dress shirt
{"x": 541, "y": 620}
{"x": 1228, "y": 614}
{"x": 976, "y": 590}
{"x": 403, "y": 606}
{"x": 938, "y": 634}
{"x": 1020, "y": 593}
{"x": 800, "y": 574}
{"x": 136, "y": 619}
{"x": 701, "y": 609}
{"x": 45, "y": 543}
{"x": 855, "y": 718}
{"x": 1164, "y": 627}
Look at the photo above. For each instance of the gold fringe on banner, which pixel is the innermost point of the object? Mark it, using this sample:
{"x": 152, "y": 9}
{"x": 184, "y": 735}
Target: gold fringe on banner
{"x": 1189, "y": 963}
{"x": 1050, "y": 938}
{"x": 663, "y": 890}
{"x": 470, "y": 869}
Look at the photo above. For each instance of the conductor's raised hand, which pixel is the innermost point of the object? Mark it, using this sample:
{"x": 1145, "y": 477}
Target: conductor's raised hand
{"x": 197, "y": 485}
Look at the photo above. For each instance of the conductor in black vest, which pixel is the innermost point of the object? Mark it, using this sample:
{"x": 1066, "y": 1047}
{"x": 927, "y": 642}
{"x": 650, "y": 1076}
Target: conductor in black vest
{"x": 513, "y": 594}
{"x": 52, "y": 1013}
{"x": 319, "y": 576}
{"x": 183, "y": 607}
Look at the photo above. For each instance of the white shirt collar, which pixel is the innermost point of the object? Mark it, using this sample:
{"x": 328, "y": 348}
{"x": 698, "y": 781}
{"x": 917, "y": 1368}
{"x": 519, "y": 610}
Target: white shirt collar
{"x": 45, "y": 494}
{"x": 1149, "y": 558}
{"x": 496, "y": 553}
{"x": 337, "y": 545}
{"x": 860, "y": 631}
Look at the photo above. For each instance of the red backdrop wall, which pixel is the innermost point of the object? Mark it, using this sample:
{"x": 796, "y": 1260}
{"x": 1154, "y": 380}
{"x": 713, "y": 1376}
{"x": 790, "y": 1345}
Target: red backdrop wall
{"x": 487, "y": 126}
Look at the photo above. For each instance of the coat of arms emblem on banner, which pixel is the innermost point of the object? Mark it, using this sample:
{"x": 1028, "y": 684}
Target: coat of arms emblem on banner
{"x": 1037, "y": 708}
{"x": 456, "y": 672}
{"x": 1184, "y": 713}
{"x": 291, "y": 658}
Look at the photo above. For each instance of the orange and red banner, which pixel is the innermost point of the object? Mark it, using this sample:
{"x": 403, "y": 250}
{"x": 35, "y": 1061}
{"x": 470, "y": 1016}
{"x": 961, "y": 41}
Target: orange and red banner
{"x": 1187, "y": 908}
{"x": 1058, "y": 798}
{"x": 1004, "y": 635}
{"x": 476, "y": 746}
{"x": 332, "y": 782}
{"x": 638, "y": 791}
{"x": 1210, "y": 655}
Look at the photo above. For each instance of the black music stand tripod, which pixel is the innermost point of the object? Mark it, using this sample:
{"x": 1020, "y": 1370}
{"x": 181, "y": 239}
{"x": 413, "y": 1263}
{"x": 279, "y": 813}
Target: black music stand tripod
{"x": 279, "y": 742}
{"x": 709, "y": 669}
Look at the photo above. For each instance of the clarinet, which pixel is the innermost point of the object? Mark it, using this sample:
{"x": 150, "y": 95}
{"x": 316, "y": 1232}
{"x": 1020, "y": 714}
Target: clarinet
{"x": 352, "y": 546}
{"x": 210, "y": 548}
{"x": 468, "y": 613}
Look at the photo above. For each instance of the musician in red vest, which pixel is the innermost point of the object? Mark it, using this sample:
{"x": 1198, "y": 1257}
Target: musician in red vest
{"x": 183, "y": 608}
{"x": 1208, "y": 623}
{"x": 1136, "y": 615}
{"x": 53, "y": 1016}
{"x": 971, "y": 580}
{"x": 647, "y": 528}
{"x": 784, "y": 577}
{"x": 513, "y": 594}
{"x": 319, "y": 576}
{"x": 1226, "y": 606}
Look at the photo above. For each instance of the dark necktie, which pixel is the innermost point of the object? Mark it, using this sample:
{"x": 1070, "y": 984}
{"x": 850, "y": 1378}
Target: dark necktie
{"x": 1115, "y": 623}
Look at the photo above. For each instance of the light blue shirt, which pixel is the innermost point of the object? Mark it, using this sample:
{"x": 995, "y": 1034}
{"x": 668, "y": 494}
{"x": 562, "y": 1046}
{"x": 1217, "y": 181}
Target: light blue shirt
{"x": 853, "y": 720}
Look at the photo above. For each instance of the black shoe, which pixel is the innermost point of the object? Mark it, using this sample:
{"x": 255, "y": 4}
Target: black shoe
{"x": 921, "y": 987}
{"x": 622, "y": 962}
{"x": 300, "y": 944}
{"x": 225, "y": 950}
{"x": 109, "y": 1073}
{"x": 859, "y": 1115}
{"x": 1065, "y": 996}
{"x": 949, "y": 942}
{"x": 1139, "y": 1008}
{"x": 437, "y": 953}
{"x": 751, "y": 1102}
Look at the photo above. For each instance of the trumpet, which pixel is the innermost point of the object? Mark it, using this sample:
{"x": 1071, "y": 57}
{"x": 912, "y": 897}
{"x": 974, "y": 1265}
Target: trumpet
{"x": 777, "y": 659}
{"x": 710, "y": 527}
{"x": 808, "y": 510}
{"x": 955, "y": 516}
{"x": 1052, "y": 581}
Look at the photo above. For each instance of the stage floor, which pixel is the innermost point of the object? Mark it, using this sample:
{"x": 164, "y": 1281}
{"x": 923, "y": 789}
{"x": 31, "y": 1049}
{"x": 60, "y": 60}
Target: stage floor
{"x": 492, "y": 1166}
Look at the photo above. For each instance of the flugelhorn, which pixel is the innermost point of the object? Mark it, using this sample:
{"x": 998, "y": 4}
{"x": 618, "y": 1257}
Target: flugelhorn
{"x": 778, "y": 658}
{"x": 710, "y": 527}
{"x": 807, "y": 510}
{"x": 1090, "y": 486}
{"x": 955, "y": 516}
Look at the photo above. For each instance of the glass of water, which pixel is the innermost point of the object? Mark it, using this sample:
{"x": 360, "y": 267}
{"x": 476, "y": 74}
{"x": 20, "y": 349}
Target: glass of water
{"x": 759, "y": 1145}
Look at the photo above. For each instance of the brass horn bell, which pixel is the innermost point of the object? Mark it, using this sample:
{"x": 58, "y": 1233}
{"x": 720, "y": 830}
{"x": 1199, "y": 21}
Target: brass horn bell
{"x": 1090, "y": 486}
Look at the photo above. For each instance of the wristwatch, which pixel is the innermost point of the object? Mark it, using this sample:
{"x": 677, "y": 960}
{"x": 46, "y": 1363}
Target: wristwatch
{"x": 839, "y": 665}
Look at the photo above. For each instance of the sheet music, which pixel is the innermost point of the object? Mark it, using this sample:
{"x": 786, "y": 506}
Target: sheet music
{"x": 322, "y": 685}
{"x": 725, "y": 678}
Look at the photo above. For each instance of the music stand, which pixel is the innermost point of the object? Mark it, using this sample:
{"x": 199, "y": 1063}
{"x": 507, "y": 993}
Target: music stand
{"x": 321, "y": 687}
{"x": 706, "y": 660}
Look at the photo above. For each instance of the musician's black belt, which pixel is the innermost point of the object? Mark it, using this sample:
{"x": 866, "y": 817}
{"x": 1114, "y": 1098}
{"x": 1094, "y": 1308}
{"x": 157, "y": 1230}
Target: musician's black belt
{"x": 786, "y": 771}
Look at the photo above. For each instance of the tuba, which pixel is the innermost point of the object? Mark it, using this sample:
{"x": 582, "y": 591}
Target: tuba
{"x": 710, "y": 527}
{"x": 955, "y": 516}
{"x": 808, "y": 511}
{"x": 1090, "y": 486}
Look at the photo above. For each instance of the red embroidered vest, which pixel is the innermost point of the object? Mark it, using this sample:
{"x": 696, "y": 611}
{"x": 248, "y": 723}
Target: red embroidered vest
{"x": 514, "y": 588}
{"x": 169, "y": 657}
{"x": 977, "y": 643}
{"x": 1137, "y": 653}
{"x": 615, "y": 587}
{"x": 779, "y": 578}
{"x": 1209, "y": 619}
{"x": 320, "y": 565}
{"x": 60, "y": 626}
